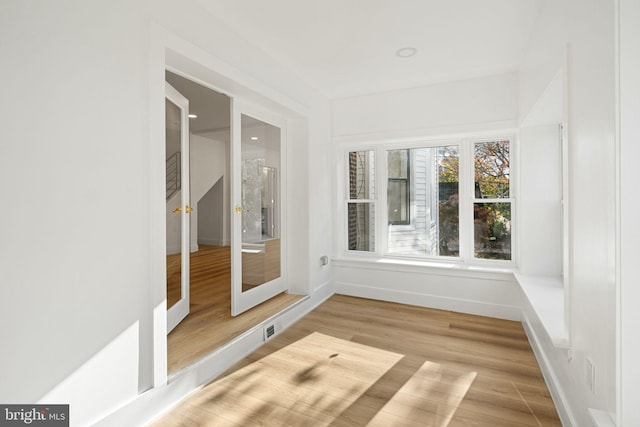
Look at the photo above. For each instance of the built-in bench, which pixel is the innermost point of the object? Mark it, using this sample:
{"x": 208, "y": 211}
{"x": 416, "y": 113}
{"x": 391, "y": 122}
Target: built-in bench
{"x": 547, "y": 297}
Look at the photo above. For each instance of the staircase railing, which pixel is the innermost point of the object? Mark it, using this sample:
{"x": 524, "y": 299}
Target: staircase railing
{"x": 173, "y": 174}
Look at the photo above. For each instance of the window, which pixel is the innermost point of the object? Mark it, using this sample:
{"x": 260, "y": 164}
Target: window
{"x": 446, "y": 199}
{"x": 433, "y": 199}
{"x": 361, "y": 205}
{"x": 492, "y": 203}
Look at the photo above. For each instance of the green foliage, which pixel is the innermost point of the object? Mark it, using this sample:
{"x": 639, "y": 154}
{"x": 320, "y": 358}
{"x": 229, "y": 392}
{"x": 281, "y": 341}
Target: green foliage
{"x": 492, "y": 221}
{"x": 491, "y": 166}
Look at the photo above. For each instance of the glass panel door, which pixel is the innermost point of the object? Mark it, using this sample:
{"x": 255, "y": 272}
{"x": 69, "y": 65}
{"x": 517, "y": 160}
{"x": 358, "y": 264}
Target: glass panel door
{"x": 177, "y": 205}
{"x": 257, "y": 244}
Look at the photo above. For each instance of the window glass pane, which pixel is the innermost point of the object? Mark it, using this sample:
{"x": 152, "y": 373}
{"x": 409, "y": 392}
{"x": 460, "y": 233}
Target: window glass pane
{"x": 361, "y": 175}
{"x": 492, "y": 230}
{"x": 398, "y": 186}
{"x": 397, "y": 199}
{"x": 398, "y": 163}
{"x": 433, "y": 197}
{"x": 448, "y": 201}
{"x": 361, "y": 226}
{"x": 491, "y": 163}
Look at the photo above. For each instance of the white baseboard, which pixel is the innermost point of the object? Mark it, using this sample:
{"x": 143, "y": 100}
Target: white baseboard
{"x": 157, "y": 401}
{"x": 550, "y": 377}
{"x": 212, "y": 242}
{"x": 431, "y": 301}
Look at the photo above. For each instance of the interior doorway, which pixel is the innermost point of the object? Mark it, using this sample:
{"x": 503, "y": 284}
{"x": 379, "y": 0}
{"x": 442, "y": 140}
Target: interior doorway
{"x": 205, "y": 259}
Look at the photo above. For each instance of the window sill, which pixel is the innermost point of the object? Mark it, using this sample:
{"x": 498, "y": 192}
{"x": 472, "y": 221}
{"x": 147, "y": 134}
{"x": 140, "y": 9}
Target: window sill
{"x": 546, "y": 295}
{"x": 444, "y": 268}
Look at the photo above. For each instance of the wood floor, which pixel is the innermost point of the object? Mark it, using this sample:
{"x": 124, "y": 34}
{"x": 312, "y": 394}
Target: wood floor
{"x": 357, "y": 362}
{"x": 209, "y": 323}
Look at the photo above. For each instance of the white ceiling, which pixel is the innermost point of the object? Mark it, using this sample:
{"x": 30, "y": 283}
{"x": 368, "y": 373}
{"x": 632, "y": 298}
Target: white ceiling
{"x": 347, "y": 47}
{"x": 211, "y": 107}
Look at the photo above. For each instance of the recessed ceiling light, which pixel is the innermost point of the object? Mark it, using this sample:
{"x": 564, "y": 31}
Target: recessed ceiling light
{"x": 254, "y": 138}
{"x": 406, "y": 52}
{"x": 193, "y": 116}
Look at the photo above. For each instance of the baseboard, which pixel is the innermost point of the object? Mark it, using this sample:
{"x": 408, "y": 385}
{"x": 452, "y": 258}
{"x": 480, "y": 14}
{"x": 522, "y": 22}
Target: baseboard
{"x": 155, "y": 402}
{"x": 212, "y": 242}
{"x": 431, "y": 301}
{"x": 550, "y": 377}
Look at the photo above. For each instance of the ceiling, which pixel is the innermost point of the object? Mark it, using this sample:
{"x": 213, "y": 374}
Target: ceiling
{"x": 211, "y": 107}
{"x": 212, "y": 115}
{"x": 348, "y": 47}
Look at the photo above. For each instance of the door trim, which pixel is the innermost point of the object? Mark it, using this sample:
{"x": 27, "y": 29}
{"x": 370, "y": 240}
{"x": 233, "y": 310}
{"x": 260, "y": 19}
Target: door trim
{"x": 173, "y": 53}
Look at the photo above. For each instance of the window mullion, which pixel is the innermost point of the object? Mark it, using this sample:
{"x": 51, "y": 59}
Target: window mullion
{"x": 382, "y": 213}
{"x": 466, "y": 201}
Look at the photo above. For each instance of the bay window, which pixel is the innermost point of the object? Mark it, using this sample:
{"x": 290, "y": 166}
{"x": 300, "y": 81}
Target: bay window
{"x": 440, "y": 200}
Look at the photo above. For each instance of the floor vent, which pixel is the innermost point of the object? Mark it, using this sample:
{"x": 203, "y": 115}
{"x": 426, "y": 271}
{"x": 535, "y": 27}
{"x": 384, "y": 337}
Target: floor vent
{"x": 269, "y": 331}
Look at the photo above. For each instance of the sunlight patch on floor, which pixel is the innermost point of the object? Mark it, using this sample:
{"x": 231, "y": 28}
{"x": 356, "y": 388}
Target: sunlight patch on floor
{"x": 312, "y": 380}
{"x": 431, "y": 396}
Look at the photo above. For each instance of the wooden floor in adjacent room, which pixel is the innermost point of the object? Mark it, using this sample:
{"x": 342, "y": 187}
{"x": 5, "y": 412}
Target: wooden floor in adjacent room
{"x": 358, "y": 362}
{"x": 209, "y": 323}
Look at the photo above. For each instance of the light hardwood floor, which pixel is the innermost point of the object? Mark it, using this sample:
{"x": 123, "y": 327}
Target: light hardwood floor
{"x": 209, "y": 323}
{"x": 357, "y": 362}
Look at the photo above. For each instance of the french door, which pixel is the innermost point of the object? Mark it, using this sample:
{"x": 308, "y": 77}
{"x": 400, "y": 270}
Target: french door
{"x": 257, "y": 197}
{"x": 177, "y": 205}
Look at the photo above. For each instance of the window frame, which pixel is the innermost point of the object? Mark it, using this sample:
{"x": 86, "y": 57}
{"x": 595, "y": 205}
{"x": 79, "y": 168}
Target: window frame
{"x": 371, "y": 201}
{"x": 510, "y": 200}
{"x": 467, "y": 198}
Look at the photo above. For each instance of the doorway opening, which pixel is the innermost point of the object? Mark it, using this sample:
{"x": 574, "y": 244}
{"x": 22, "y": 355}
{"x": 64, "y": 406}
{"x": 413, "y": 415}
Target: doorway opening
{"x": 200, "y": 227}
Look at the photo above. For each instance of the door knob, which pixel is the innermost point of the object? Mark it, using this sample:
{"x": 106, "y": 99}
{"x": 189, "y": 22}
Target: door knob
{"x": 238, "y": 209}
{"x": 188, "y": 209}
{"x": 178, "y": 209}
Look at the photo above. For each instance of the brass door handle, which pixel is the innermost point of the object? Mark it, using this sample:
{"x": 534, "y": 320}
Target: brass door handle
{"x": 187, "y": 209}
{"x": 238, "y": 209}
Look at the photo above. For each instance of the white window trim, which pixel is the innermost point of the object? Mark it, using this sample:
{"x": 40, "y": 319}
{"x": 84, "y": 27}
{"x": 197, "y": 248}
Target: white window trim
{"x": 467, "y": 198}
{"x": 343, "y": 191}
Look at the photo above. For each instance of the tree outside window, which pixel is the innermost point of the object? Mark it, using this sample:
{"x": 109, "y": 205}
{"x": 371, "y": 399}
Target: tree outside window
{"x": 492, "y": 204}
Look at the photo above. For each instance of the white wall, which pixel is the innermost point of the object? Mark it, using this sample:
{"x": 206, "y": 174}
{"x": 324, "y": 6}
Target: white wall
{"x": 210, "y": 218}
{"x": 77, "y": 249}
{"x": 539, "y": 201}
{"x": 208, "y": 165}
{"x": 74, "y": 163}
{"x": 474, "y": 104}
{"x": 587, "y": 28}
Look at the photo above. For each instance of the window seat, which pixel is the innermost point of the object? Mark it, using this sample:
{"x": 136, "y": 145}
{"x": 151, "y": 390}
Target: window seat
{"x": 546, "y": 295}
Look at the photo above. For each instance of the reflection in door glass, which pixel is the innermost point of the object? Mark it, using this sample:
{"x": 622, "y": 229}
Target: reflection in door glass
{"x": 173, "y": 156}
{"x": 260, "y": 195}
